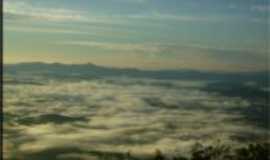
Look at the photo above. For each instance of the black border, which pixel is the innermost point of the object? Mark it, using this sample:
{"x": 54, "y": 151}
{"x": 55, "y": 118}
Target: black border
{"x": 1, "y": 73}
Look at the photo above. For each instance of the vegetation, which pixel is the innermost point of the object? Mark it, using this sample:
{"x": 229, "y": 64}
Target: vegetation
{"x": 199, "y": 152}
{"x": 222, "y": 152}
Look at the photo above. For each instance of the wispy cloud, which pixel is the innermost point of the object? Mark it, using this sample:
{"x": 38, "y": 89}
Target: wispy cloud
{"x": 261, "y": 8}
{"x": 127, "y": 47}
{"x": 16, "y": 9}
{"x": 26, "y": 10}
{"x": 46, "y": 30}
{"x": 134, "y": 1}
{"x": 158, "y": 47}
{"x": 165, "y": 16}
{"x": 179, "y": 55}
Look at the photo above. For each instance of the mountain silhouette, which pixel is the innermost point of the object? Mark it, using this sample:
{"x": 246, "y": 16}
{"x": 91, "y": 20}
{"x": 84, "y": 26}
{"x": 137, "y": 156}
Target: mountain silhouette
{"x": 58, "y": 70}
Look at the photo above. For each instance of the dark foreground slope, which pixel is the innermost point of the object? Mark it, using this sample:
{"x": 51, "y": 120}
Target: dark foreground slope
{"x": 200, "y": 152}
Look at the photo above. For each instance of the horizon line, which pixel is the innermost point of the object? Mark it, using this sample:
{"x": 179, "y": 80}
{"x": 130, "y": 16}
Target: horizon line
{"x": 138, "y": 69}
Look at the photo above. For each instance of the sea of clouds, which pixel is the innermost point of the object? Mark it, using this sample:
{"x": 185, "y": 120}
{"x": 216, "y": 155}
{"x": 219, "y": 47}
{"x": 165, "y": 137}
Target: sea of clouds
{"x": 84, "y": 119}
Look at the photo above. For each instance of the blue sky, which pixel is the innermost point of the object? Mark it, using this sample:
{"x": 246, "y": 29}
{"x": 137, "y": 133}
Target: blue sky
{"x": 223, "y": 35}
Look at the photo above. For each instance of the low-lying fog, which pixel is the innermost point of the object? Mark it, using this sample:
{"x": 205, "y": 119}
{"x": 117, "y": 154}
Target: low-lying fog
{"x": 45, "y": 116}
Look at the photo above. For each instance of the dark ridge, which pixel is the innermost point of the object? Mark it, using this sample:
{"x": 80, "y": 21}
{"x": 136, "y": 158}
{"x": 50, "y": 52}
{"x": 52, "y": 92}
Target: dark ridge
{"x": 21, "y": 82}
{"x": 238, "y": 89}
{"x": 85, "y": 71}
{"x": 50, "y": 118}
{"x": 156, "y": 102}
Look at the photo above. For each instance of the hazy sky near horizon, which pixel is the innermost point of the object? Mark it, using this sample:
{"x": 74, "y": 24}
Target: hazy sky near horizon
{"x": 226, "y": 35}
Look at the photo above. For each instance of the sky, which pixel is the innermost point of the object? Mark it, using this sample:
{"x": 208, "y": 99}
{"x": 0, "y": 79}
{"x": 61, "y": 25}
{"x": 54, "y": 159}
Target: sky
{"x": 216, "y": 35}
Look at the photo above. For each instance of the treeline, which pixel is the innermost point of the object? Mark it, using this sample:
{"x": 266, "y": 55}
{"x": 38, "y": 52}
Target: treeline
{"x": 218, "y": 152}
{"x": 199, "y": 152}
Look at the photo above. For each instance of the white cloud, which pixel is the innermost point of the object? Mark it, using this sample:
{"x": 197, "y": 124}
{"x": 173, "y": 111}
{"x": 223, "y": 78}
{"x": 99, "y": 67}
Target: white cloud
{"x": 120, "y": 119}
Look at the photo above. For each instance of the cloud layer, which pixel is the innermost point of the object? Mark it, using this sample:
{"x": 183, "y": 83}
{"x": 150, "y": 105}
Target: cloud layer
{"x": 83, "y": 119}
